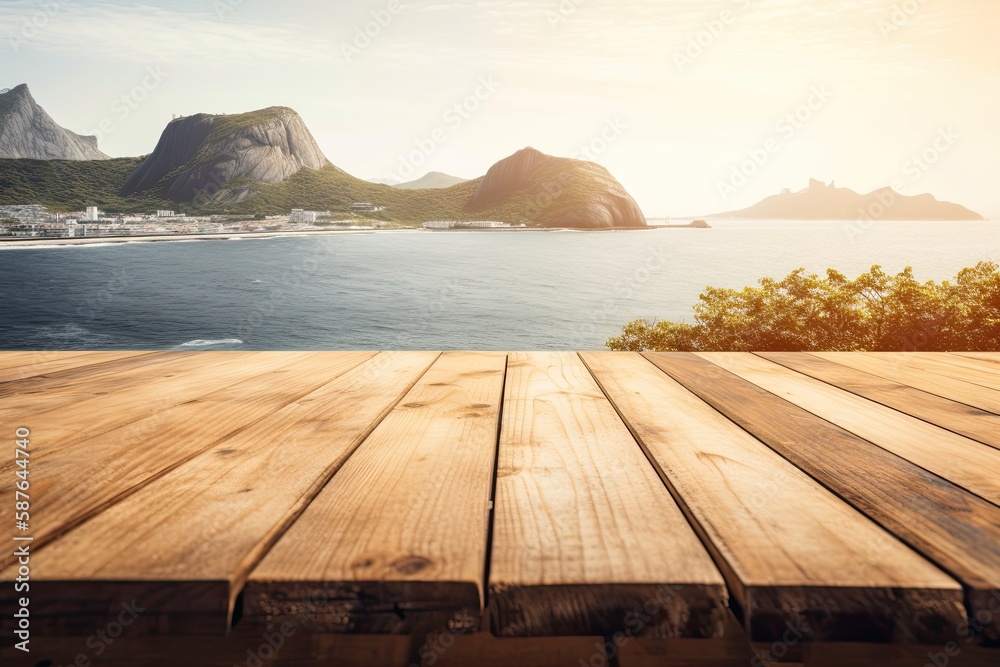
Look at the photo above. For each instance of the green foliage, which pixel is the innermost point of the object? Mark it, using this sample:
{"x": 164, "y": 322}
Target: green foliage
{"x": 874, "y": 312}
{"x": 331, "y": 189}
{"x": 66, "y": 185}
{"x": 71, "y": 186}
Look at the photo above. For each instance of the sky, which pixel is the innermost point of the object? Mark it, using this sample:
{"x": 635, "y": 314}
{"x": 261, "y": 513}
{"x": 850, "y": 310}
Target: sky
{"x": 696, "y": 106}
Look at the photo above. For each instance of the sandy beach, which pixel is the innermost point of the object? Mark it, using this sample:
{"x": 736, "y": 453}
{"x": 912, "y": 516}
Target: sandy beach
{"x": 164, "y": 238}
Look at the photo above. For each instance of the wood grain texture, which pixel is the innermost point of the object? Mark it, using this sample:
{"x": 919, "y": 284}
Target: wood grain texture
{"x": 295, "y": 649}
{"x": 955, "y": 529}
{"x": 793, "y": 553}
{"x": 989, "y": 357}
{"x": 111, "y": 401}
{"x": 195, "y": 533}
{"x": 584, "y": 531}
{"x": 968, "y": 463}
{"x": 956, "y": 390}
{"x": 35, "y": 396}
{"x": 957, "y": 417}
{"x": 119, "y": 462}
{"x": 396, "y": 543}
{"x": 16, "y": 366}
{"x": 29, "y": 358}
{"x": 946, "y": 365}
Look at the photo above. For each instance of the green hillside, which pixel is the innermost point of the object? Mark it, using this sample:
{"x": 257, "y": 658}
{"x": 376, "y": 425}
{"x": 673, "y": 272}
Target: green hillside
{"x": 65, "y": 185}
{"x": 72, "y": 186}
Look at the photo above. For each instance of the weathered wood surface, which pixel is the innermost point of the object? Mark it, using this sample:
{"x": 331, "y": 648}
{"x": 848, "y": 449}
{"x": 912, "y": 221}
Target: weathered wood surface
{"x": 794, "y": 554}
{"x": 968, "y": 463}
{"x": 231, "y": 502}
{"x": 397, "y": 542}
{"x": 946, "y": 365}
{"x": 76, "y": 480}
{"x": 956, "y": 390}
{"x": 955, "y": 529}
{"x": 584, "y": 531}
{"x": 16, "y": 366}
{"x": 350, "y": 493}
{"x": 952, "y": 415}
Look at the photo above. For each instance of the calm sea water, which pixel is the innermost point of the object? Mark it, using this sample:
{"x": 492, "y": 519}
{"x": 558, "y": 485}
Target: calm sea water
{"x": 507, "y": 291}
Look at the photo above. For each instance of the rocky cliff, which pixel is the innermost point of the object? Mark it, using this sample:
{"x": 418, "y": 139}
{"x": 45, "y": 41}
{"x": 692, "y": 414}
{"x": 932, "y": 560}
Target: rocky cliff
{"x": 199, "y": 157}
{"x": 556, "y": 192}
{"x": 28, "y": 132}
{"x": 828, "y": 202}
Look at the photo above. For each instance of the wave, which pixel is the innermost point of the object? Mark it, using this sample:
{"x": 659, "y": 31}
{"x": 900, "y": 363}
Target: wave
{"x": 211, "y": 343}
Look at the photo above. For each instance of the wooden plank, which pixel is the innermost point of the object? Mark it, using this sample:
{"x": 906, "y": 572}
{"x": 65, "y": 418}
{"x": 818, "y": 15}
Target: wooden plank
{"x": 958, "y": 417}
{"x": 946, "y": 365}
{"x": 952, "y": 654}
{"x": 732, "y": 650}
{"x": 792, "y": 552}
{"x": 952, "y": 527}
{"x": 102, "y": 376}
{"x": 396, "y": 543}
{"x": 27, "y": 358}
{"x": 452, "y": 648}
{"x": 15, "y": 366}
{"x": 119, "y": 462}
{"x": 991, "y": 357}
{"x": 31, "y": 378}
{"x": 294, "y": 649}
{"x": 584, "y": 532}
{"x": 955, "y": 390}
{"x": 965, "y": 462}
{"x": 183, "y": 545}
{"x": 113, "y": 403}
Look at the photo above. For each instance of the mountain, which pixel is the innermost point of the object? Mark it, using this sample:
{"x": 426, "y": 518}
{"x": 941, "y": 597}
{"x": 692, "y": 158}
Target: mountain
{"x": 555, "y": 192}
{"x": 216, "y": 158}
{"x": 434, "y": 179}
{"x": 267, "y": 162}
{"x": 28, "y": 132}
{"x": 828, "y": 202}
{"x": 383, "y": 181}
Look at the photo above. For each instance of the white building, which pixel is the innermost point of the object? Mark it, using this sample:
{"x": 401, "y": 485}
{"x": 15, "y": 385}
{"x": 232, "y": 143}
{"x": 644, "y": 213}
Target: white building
{"x": 92, "y": 214}
{"x": 482, "y": 224}
{"x": 367, "y": 207}
{"x": 299, "y": 215}
{"x": 309, "y": 217}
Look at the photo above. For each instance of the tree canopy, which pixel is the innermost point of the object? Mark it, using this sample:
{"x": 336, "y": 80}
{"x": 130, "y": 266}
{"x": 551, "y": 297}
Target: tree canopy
{"x": 805, "y": 312}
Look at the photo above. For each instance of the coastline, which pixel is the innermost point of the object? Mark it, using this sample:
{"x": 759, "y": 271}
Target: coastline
{"x": 166, "y": 238}
{"x": 234, "y": 236}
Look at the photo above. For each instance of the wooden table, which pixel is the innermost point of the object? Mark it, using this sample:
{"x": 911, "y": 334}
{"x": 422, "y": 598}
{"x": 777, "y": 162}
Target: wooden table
{"x": 490, "y": 508}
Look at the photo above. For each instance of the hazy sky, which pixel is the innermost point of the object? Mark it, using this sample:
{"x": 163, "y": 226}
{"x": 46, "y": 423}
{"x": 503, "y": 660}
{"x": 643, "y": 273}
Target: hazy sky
{"x": 671, "y": 95}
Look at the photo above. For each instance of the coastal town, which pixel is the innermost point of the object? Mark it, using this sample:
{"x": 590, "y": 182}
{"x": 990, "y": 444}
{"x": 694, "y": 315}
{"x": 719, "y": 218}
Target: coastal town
{"x": 36, "y": 221}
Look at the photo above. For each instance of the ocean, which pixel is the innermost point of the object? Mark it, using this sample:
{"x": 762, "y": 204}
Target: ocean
{"x": 427, "y": 290}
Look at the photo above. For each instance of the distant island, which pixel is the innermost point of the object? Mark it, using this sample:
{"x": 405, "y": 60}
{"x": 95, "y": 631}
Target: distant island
{"x": 828, "y": 202}
{"x": 434, "y": 179}
{"x": 267, "y": 163}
